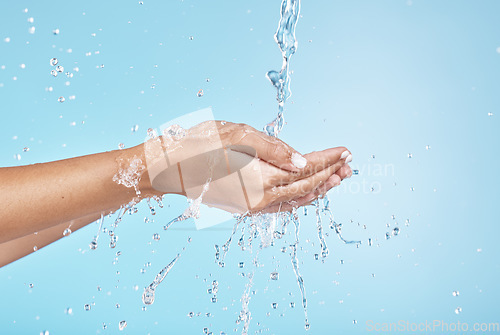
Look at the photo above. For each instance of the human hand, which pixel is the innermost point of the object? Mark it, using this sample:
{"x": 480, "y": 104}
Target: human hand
{"x": 247, "y": 170}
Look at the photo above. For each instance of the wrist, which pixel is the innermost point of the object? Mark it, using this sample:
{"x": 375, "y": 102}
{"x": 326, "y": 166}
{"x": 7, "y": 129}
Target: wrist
{"x": 136, "y": 156}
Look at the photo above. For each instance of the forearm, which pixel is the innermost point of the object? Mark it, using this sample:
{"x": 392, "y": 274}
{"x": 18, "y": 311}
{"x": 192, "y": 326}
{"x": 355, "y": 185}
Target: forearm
{"x": 40, "y": 196}
{"x": 15, "y": 249}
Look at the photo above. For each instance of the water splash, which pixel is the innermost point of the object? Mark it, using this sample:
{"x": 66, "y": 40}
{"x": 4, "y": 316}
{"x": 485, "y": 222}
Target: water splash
{"x": 94, "y": 244}
{"x": 334, "y": 225}
{"x": 285, "y": 37}
{"x": 148, "y": 297}
{"x": 319, "y": 225}
{"x": 295, "y": 263}
{"x": 245, "y": 314}
{"x": 193, "y": 210}
{"x": 225, "y": 248}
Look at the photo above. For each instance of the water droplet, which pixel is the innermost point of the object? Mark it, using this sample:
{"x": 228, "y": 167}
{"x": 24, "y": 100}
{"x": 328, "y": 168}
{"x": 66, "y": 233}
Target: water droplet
{"x": 86, "y": 307}
{"x": 22, "y": 66}
{"x": 55, "y": 31}
{"x": 31, "y": 20}
{"x": 355, "y": 172}
{"x": 412, "y": 189}
{"x": 54, "y": 73}
{"x": 490, "y": 114}
{"x": 214, "y": 299}
{"x": 410, "y": 155}
{"x": 61, "y": 99}
{"x": 200, "y": 93}
{"x": 26, "y": 149}
{"x": 30, "y": 285}
{"x": 31, "y": 30}
{"x": 395, "y": 231}
{"x": 141, "y": 2}
{"x": 458, "y": 310}
{"x": 156, "y": 236}
{"x": 274, "y": 305}
{"x": 191, "y": 38}
{"x": 274, "y": 275}
{"x": 93, "y": 244}
{"x": 68, "y": 311}
{"x": 67, "y": 232}
{"x": 242, "y": 264}
{"x": 316, "y": 256}
{"x": 190, "y": 314}
{"x": 59, "y": 68}
{"x": 35, "y": 248}
{"x": 117, "y": 305}
{"x": 292, "y": 305}
{"x": 455, "y": 293}
{"x": 135, "y": 128}
{"x": 45, "y": 332}
{"x": 122, "y": 325}
{"x": 427, "y": 147}
{"x": 121, "y": 146}
{"x": 143, "y": 308}
{"x": 354, "y": 321}
{"x": 104, "y": 326}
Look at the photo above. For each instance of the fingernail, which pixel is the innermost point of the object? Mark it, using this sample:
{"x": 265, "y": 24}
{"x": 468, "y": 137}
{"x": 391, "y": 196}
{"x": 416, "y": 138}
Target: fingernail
{"x": 344, "y": 154}
{"x": 349, "y": 175}
{"x": 348, "y": 159}
{"x": 298, "y": 161}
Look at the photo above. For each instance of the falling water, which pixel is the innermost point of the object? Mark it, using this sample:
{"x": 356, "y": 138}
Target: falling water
{"x": 285, "y": 37}
{"x": 148, "y": 297}
{"x": 295, "y": 263}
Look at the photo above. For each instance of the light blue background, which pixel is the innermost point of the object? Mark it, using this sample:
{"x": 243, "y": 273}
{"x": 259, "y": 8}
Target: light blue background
{"x": 384, "y": 78}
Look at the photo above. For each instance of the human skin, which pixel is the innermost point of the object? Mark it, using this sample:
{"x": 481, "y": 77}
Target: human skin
{"x": 40, "y": 201}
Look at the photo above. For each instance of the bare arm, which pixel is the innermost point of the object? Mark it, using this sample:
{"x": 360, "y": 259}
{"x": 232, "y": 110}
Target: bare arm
{"x": 40, "y": 201}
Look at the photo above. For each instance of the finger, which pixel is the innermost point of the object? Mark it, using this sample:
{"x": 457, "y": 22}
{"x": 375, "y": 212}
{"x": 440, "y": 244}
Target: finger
{"x": 301, "y": 187}
{"x": 305, "y": 200}
{"x": 344, "y": 172}
{"x": 319, "y": 160}
{"x": 268, "y": 148}
{"x": 281, "y": 178}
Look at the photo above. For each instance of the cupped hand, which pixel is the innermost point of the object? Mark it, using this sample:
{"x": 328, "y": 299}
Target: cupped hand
{"x": 246, "y": 170}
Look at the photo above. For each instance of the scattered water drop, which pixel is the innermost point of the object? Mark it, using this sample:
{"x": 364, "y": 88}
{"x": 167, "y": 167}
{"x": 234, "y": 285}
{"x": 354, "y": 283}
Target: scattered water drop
{"x": 86, "y": 307}
{"x": 54, "y": 73}
{"x": 121, "y": 146}
{"x": 458, "y": 310}
{"x": 68, "y": 311}
{"x": 274, "y": 305}
{"x": 6, "y": 40}
{"x": 410, "y": 155}
{"x": 61, "y": 99}
{"x": 26, "y": 149}
{"x": 122, "y": 325}
{"x": 59, "y": 68}
{"x": 67, "y": 232}
{"x": 274, "y": 275}
{"x": 455, "y": 293}
{"x": 242, "y": 264}
{"x": 55, "y": 31}
{"x": 200, "y": 93}
{"x": 31, "y": 30}
{"x": 191, "y": 38}
{"x": 156, "y": 236}
{"x": 35, "y": 248}
{"x": 395, "y": 231}
{"x": 30, "y": 285}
